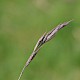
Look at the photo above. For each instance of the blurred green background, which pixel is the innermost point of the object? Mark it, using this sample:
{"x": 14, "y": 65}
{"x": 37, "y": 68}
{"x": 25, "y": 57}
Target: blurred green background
{"x": 22, "y": 22}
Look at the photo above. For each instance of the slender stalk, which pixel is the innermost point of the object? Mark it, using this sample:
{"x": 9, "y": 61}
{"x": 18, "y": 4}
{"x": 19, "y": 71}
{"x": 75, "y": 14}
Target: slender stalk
{"x": 44, "y": 38}
{"x": 22, "y": 72}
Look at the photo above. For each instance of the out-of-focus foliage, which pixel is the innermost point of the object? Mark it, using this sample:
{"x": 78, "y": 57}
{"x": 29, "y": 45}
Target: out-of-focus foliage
{"x": 22, "y": 22}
